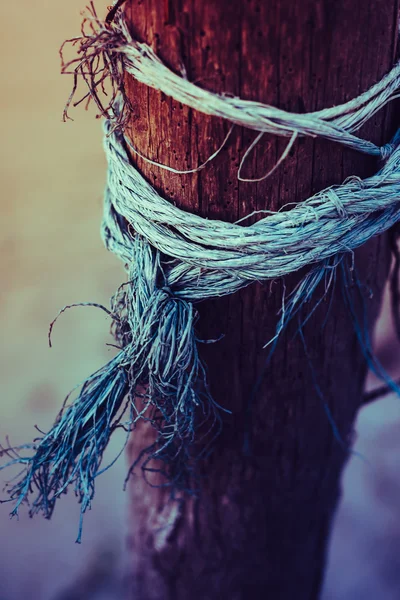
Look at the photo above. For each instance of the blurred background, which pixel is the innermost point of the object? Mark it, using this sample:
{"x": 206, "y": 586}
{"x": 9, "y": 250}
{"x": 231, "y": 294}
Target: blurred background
{"x": 52, "y": 178}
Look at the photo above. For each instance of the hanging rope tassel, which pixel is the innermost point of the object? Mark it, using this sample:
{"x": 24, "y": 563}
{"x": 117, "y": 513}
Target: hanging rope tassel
{"x": 158, "y": 371}
{"x": 71, "y": 452}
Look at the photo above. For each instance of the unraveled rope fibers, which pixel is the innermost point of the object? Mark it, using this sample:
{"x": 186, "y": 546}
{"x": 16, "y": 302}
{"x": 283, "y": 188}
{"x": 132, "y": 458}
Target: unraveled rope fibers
{"x": 175, "y": 259}
{"x": 123, "y": 54}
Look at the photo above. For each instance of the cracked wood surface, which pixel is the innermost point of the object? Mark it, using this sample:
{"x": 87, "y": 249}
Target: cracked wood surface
{"x": 261, "y": 525}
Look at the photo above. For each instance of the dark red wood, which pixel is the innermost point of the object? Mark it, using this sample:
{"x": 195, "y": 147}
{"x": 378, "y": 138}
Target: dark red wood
{"x": 261, "y": 526}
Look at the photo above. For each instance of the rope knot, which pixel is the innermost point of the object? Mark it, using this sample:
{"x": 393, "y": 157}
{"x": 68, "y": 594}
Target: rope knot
{"x": 388, "y": 149}
{"x": 176, "y": 258}
{"x": 337, "y": 202}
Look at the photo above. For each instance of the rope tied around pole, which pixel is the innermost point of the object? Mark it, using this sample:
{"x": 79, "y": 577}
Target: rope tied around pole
{"x": 108, "y": 50}
{"x": 176, "y": 259}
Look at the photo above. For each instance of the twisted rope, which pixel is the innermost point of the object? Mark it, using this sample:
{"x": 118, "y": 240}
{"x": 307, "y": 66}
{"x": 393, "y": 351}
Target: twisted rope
{"x": 215, "y": 258}
{"x": 113, "y": 42}
{"x": 175, "y": 259}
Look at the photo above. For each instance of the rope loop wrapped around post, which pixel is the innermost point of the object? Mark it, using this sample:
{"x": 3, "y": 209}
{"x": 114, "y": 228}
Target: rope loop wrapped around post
{"x": 176, "y": 259}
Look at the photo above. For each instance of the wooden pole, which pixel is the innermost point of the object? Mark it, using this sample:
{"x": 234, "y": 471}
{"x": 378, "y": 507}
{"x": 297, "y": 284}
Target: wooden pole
{"x": 260, "y": 527}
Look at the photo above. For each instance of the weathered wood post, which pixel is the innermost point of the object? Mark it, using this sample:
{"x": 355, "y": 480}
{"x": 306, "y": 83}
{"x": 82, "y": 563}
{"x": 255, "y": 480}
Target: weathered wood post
{"x": 260, "y": 527}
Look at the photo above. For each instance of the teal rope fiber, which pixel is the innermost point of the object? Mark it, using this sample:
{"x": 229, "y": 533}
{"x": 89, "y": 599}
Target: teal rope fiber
{"x": 175, "y": 259}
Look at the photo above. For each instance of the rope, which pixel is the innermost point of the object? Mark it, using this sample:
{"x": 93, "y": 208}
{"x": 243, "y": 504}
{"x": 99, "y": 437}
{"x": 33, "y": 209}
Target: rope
{"x": 175, "y": 259}
{"x": 122, "y": 54}
{"x": 216, "y": 258}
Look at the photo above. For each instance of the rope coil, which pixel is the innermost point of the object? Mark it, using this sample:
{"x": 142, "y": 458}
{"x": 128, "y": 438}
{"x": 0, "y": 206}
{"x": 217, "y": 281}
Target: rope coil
{"x": 215, "y": 257}
{"x": 175, "y": 259}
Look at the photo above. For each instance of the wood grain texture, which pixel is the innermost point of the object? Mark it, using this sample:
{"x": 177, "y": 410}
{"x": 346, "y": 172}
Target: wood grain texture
{"x": 261, "y": 524}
